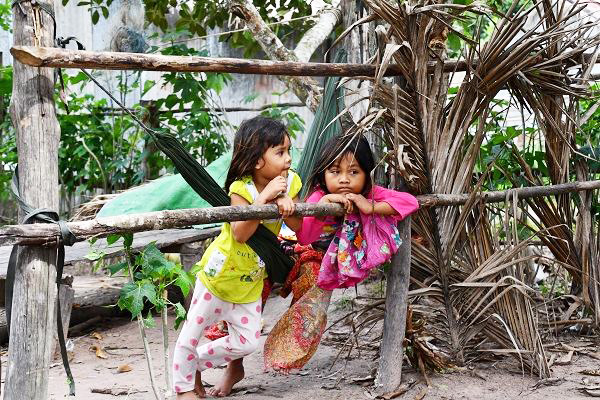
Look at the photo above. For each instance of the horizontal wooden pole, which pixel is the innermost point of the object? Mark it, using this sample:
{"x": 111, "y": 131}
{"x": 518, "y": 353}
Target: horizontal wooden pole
{"x": 65, "y": 58}
{"x": 48, "y": 234}
{"x": 437, "y": 200}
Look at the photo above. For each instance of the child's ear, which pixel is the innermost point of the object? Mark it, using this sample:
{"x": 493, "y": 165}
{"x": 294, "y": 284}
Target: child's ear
{"x": 260, "y": 163}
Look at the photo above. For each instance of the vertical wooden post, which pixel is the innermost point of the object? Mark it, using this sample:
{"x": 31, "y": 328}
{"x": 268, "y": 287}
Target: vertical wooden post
{"x": 391, "y": 352}
{"x": 38, "y": 134}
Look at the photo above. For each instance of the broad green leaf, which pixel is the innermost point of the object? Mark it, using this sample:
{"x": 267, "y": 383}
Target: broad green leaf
{"x": 185, "y": 281}
{"x": 95, "y": 255}
{"x": 133, "y": 294}
{"x": 111, "y": 239}
{"x": 155, "y": 264}
{"x": 180, "y": 315}
{"x": 149, "y": 84}
{"x": 127, "y": 239}
{"x": 149, "y": 321}
{"x": 113, "y": 269}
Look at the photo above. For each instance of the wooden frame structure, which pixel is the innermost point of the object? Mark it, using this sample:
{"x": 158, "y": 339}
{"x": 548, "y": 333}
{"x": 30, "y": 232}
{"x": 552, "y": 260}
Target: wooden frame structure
{"x": 33, "y": 321}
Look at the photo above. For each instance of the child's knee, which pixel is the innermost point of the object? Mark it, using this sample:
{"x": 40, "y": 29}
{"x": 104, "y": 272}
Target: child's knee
{"x": 248, "y": 345}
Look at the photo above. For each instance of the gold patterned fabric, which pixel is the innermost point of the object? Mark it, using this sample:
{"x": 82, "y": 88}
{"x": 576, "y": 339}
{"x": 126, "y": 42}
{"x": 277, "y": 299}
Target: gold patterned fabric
{"x": 297, "y": 334}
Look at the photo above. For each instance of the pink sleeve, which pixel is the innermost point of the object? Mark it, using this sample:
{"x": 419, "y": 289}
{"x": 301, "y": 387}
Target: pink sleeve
{"x": 404, "y": 203}
{"x": 311, "y": 226}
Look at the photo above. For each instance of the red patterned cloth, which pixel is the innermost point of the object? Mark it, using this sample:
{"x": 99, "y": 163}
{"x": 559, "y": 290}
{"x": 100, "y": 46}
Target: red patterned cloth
{"x": 304, "y": 273}
{"x": 297, "y": 334}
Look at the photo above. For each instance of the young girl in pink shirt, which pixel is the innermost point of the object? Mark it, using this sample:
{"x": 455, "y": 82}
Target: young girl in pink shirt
{"x": 367, "y": 236}
{"x": 343, "y": 250}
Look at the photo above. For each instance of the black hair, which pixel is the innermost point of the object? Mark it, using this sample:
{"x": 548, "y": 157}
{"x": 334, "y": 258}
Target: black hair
{"x": 336, "y": 148}
{"x": 252, "y": 139}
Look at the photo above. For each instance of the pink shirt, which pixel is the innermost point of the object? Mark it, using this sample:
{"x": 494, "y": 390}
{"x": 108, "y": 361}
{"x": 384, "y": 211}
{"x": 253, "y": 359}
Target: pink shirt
{"x": 404, "y": 203}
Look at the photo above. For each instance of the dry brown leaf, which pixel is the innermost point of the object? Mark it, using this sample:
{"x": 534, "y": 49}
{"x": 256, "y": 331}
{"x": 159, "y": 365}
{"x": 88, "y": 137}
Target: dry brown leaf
{"x": 96, "y": 335}
{"x": 422, "y": 393}
{"x": 565, "y": 358}
{"x": 401, "y": 390}
{"x": 124, "y": 368}
{"x": 100, "y": 353}
{"x": 117, "y": 391}
{"x": 592, "y": 372}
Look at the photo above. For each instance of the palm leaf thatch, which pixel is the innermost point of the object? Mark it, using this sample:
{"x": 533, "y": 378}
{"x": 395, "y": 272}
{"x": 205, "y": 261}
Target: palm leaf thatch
{"x": 434, "y": 143}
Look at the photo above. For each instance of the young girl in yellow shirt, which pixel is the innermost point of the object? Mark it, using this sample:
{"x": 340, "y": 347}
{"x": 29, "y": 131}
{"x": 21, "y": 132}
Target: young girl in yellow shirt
{"x": 230, "y": 283}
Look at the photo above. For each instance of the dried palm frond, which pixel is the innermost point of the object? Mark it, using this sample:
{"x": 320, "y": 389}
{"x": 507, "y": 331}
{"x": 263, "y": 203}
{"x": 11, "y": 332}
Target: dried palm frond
{"x": 434, "y": 145}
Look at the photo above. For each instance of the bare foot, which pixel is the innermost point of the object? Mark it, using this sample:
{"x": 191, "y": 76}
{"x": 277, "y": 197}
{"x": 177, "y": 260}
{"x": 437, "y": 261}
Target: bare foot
{"x": 233, "y": 374}
{"x": 187, "y": 396}
{"x": 198, "y": 386}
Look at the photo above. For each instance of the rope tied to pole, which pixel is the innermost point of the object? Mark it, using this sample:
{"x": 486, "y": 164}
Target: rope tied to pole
{"x": 42, "y": 215}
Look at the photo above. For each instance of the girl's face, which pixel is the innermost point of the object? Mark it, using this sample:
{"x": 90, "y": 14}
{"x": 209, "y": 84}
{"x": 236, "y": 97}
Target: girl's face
{"x": 345, "y": 176}
{"x": 276, "y": 161}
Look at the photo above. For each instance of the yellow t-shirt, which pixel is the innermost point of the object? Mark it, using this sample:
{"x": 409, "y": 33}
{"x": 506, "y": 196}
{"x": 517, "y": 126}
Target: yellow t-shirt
{"x": 232, "y": 271}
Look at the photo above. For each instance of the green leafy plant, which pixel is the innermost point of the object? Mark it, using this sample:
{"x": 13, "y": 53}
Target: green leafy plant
{"x": 5, "y": 15}
{"x": 151, "y": 274}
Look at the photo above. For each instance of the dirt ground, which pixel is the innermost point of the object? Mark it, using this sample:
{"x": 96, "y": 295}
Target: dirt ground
{"x": 323, "y": 378}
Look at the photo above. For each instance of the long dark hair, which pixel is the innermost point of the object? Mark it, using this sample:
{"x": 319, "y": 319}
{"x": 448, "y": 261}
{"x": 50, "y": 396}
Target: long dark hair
{"x": 252, "y": 139}
{"x": 336, "y": 148}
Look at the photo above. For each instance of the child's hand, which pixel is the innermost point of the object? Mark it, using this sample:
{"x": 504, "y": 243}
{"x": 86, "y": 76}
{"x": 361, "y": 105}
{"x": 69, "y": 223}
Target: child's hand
{"x": 364, "y": 206}
{"x": 340, "y": 199}
{"x": 273, "y": 189}
{"x": 285, "y": 205}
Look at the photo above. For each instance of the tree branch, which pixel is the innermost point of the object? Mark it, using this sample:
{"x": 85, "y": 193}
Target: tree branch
{"x": 315, "y": 36}
{"x": 48, "y": 234}
{"x": 305, "y": 88}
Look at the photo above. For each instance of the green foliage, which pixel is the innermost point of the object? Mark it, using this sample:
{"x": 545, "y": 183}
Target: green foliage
{"x": 186, "y": 108}
{"x": 101, "y": 147}
{"x": 133, "y": 294}
{"x": 198, "y": 17}
{"x": 293, "y": 121}
{"x": 152, "y": 275}
{"x": 95, "y": 7}
{"x": 8, "y": 145}
{"x": 5, "y": 15}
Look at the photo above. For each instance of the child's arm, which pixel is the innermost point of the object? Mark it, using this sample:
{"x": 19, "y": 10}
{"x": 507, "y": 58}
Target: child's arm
{"x": 287, "y": 206}
{"x": 386, "y": 202}
{"x": 368, "y": 207}
{"x": 242, "y": 230}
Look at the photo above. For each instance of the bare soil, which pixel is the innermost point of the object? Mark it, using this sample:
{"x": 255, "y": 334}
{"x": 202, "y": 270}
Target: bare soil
{"x": 327, "y": 376}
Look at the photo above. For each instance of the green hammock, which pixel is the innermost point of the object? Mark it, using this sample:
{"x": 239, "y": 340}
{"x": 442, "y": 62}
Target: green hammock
{"x": 322, "y": 129}
{"x": 263, "y": 242}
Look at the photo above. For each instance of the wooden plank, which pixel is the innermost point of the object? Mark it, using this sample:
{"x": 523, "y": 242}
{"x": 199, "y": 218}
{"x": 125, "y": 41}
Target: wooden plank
{"x": 65, "y": 58}
{"x": 87, "y": 296}
{"x": 76, "y": 253}
{"x": 391, "y": 353}
{"x": 47, "y": 234}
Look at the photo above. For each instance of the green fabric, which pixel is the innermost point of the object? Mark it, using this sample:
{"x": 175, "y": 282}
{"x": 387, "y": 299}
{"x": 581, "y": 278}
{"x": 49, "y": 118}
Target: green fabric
{"x": 322, "y": 129}
{"x": 171, "y": 192}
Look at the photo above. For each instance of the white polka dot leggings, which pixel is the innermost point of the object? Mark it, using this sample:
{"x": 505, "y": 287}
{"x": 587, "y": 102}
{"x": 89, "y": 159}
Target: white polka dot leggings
{"x": 243, "y": 322}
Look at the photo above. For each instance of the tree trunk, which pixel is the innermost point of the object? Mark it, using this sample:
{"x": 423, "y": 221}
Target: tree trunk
{"x": 306, "y": 89}
{"x": 33, "y": 115}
